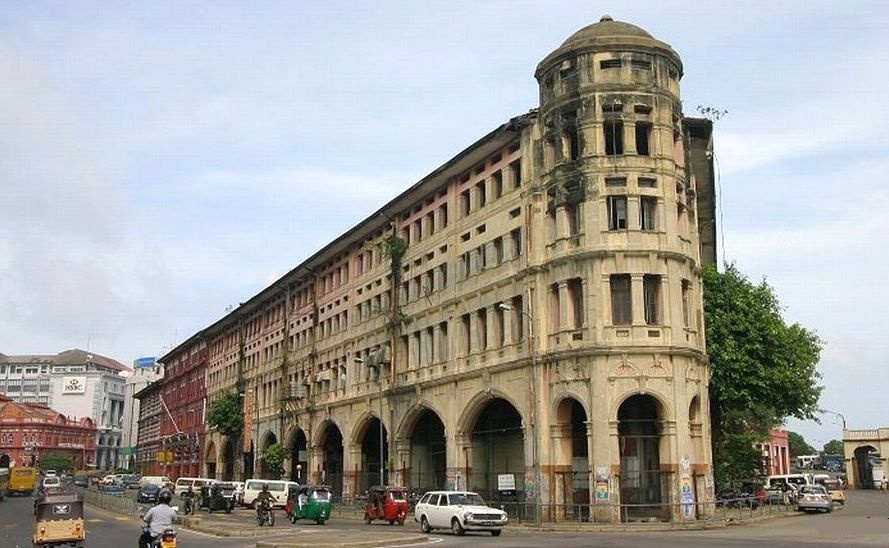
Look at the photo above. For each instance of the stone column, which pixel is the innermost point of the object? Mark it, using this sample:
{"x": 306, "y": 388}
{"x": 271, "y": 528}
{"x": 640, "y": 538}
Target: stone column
{"x": 508, "y": 326}
{"x": 490, "y": 328}
{"x": 565, "y": 306}
{"x": 315, "y": 464}
{"x": 474, "y": 342}
{"x": 638, "y": 299}
{"x": 562, "y": 230}
{"x": 402, "y": 472}
{"x": 436, "y": 343}
{"x": 629, "y": 137}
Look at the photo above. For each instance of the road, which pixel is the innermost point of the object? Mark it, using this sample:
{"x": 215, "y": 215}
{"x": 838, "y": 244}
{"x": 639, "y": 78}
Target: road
{"x": 863, "y": 522}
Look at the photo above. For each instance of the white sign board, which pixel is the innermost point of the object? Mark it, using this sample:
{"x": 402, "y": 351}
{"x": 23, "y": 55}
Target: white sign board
{"x": 74, "y": 385}
{"x": 506, "y": 482}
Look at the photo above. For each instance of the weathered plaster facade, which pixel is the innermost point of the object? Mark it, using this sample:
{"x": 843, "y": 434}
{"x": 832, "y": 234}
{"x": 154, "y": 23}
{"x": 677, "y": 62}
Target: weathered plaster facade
{"x": 543, "y": 326}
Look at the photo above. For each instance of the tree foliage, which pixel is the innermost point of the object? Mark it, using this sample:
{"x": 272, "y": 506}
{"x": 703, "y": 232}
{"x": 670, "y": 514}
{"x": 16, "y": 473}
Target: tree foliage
{"x": 762, "y": 370}
{"x": 274, "y": 460}
{"x": 833, "y": 447}
{"x": 225, "y": 414}
{"x": 55, "y": 461}
{"x": 798, "y": 445}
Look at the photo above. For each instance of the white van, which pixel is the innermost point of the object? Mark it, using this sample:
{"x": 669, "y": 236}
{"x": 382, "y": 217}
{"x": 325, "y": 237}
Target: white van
{"x": 797, "y": 480}
{"x": 160, "y": 481}
{"x": 182, "y": 485}
{"x": 278, "y": 489}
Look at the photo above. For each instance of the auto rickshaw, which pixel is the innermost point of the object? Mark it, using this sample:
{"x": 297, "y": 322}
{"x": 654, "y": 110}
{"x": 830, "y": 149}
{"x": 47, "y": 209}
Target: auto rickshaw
{"x": 218, "y": 496}
{"x": 386, "y": 503}
{"x": 60, "y": 521}
{"x": 308, "y": 502}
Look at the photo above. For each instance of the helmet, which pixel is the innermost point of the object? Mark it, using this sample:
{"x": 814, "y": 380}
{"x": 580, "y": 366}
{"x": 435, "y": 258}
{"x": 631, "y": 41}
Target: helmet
{"x": 164, "y": 497}
{"x": 265, "y": 486}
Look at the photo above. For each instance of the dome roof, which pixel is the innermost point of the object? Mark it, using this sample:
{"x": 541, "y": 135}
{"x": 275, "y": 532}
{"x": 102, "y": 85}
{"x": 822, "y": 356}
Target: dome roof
{"x": 605, "y": 29}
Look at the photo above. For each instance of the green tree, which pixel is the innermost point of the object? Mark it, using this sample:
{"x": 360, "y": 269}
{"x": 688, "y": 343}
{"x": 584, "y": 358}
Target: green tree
{"x": 225, "y": 414}
{"x": 274, "y": 460}
{"x": 762, "y": 370}
{"x": 55, "y": 461}
{"x": 798, "y": 445}
{"x": 833, "y": 447}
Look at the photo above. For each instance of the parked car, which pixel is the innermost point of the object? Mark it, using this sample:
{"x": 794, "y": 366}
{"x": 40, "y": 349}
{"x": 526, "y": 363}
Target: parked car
{"x": 157, "y": 480}
{"x": 278, "y": 489}
{"x": 459, "y": 511}
{"x": 109, "y": 479}
{"x": 81, "y": 481}
{"x": 148, "y": 493}
{"x": 51, "y": 481}
{"x": 814, "y": 497}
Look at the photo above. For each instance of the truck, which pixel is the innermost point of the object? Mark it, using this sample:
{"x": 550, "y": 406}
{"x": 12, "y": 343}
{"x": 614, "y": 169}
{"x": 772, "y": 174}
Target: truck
{"x": 22, "y": 479}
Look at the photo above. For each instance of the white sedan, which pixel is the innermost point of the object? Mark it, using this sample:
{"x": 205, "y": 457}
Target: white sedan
{"x": 459, "y": 511}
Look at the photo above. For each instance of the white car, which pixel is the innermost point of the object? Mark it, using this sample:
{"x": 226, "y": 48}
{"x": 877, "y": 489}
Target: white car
{"x": 459, "y": 511}
{"x": 51, "y": 481}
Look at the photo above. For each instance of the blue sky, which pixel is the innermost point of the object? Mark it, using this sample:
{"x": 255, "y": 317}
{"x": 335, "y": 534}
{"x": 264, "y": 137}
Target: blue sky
{"x": 164, "y": 160}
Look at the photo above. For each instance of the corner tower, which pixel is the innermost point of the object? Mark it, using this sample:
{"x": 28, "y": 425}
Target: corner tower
{"x": 618, "y": 278}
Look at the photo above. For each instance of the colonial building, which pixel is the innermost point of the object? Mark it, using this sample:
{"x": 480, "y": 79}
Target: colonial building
{"x": 150, "y": 457}
{"x": 776, "y": 452}
{"x": 182, "y": 397}
{"x": 30, "y": 430}
{"x": 77, "y": 384}
{"x": 144, "y": 373}
{"x": 525, "y": 321}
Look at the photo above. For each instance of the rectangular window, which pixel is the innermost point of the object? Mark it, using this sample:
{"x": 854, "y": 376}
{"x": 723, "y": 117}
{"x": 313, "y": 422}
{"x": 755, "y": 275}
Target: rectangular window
{"x": 621, "y": 300}
{"x": 555, "y": 311}
{"x": 639, "y": 64}
{"x": 643, "y": 136}
{"x": 647, "y": 213}
{"x": 572, "y": 211}
{"x": 575, "y": 290}
{"x": 464, "y": 203}
{"x": 496, "y": 185}
{"x": 617, "y": 213}
{"x": 651, "y": 293}
{"x": 609, "y": 64}
{"x": 614, "y": 138}
{"x": 516, "y": 241}
{"x": 481, "y": 193}
{"x": 686, "y": 302}
{"x": 647, "y": 182}
{"x": 516, "y": 173}
{"x": 466, "y": 333}
{"x": 615, "y": 181}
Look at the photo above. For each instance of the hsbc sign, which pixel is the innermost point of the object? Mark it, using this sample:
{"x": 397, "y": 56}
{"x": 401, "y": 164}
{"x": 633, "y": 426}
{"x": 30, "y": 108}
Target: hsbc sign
{"x": 74, "y": 385}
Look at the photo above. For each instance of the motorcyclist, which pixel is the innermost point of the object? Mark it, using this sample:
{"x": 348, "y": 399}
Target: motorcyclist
{"x": 188, "y": 498}
{"x": 264, "y": 496}
{"x": 157, "y": 519}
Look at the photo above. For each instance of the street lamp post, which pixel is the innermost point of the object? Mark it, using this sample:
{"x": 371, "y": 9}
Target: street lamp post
{"x": 840, "y": 415}
{"x": 532, "y": 350}
{"x": 378, "y": 367}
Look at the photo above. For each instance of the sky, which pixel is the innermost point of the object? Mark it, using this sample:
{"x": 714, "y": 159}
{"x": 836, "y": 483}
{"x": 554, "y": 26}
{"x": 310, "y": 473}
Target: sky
{"x": 162, "y": 161}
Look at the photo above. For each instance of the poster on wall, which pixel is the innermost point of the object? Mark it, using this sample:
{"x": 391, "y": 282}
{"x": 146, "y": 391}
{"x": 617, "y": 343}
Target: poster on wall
{"x": 74, "y": 385}
{"x": 686, "y": 490}
{"x": 602, "y": 483}
{"x": 248, "y": 425}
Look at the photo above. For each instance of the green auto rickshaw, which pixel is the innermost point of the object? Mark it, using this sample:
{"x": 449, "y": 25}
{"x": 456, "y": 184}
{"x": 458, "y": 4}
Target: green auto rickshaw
{"x": 310, "y": 502}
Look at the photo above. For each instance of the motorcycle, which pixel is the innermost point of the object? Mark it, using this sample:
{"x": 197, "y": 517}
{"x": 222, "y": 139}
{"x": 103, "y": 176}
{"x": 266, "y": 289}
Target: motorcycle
{"x": 188, "y": 505}
{"x": 264, "y": 514}
{"x": 165, "y": 540}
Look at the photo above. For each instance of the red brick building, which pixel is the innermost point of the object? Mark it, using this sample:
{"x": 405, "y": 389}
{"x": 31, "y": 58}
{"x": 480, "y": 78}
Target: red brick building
{"x": 29, "y": 430}
{"x": 183, "y": 399}
{"x": 776, "y": 453}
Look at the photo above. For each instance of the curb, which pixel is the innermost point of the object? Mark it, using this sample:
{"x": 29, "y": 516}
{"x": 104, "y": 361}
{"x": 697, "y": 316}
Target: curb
{"x": 347, "y": 544}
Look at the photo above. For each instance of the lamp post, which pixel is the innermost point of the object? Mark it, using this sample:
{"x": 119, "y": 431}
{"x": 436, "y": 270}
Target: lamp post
{"x": 840, "y": 415}
{"x": 532, "y": 389}
{"x": 378, "y": 367}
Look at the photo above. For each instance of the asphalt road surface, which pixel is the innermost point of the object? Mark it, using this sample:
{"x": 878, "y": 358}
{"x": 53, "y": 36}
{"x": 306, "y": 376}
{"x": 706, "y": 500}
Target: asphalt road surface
{"x": 863, "y": 521}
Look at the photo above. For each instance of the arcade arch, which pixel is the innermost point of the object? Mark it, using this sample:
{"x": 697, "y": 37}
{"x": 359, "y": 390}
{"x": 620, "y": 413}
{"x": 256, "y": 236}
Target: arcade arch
{"x": 427, "y": 465}
{"x": 496, "y": 447}
{"x": 571, "y": 454}
{"x": 299, "y": 456}
{"x": 268, "y": 440}
{"x": 639, "y": 436}
{"x": 210, "y": 460}
{"x": 330, "y": 469}
{"x": 373, "y": 437}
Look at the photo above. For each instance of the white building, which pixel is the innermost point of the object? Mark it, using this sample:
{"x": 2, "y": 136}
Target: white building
{"x": 77, "y": 384}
